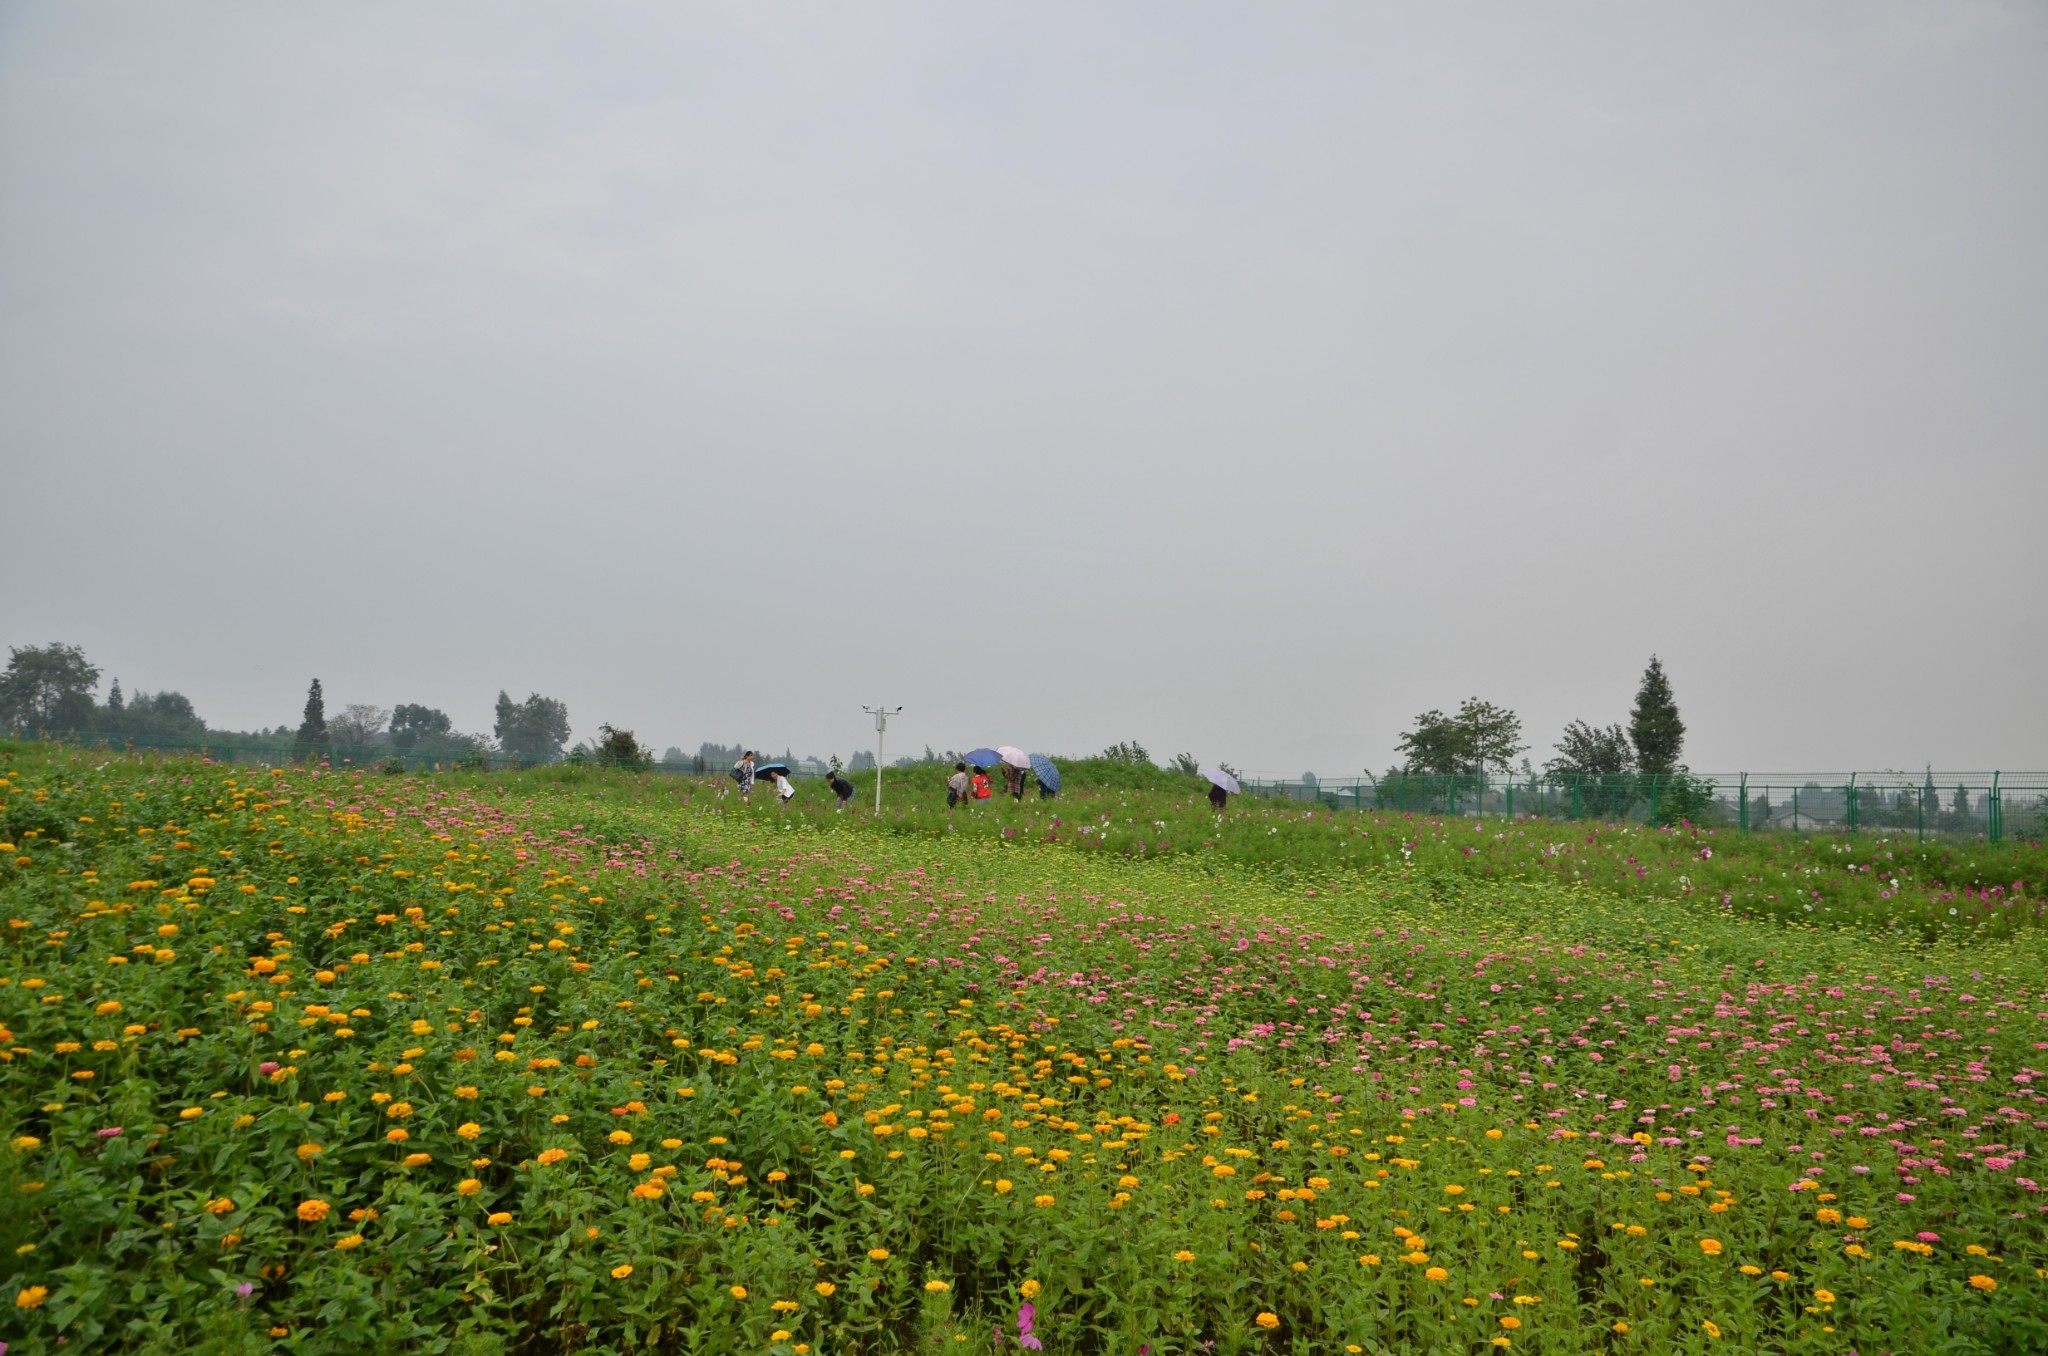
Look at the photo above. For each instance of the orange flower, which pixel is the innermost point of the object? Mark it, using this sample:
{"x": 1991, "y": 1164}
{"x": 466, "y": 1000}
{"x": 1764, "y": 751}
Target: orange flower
{"x": 314, "y": 1210}
{"x": 32, "y": 1298}
{"x": 549, "y": 1157}
{"x": 878, "y": 1254}
{"x": 348, "y": 1242}
{"x": 739, "y": 1292}
{"x": 1984, "y": 1283}
{"x": 1711, "y": 1246}
{"x": 499, "y": 1218}
{"x": 620, "y": 1273}
{"x": 1266, "y": 1320}
{"x": 468, "y": 1186}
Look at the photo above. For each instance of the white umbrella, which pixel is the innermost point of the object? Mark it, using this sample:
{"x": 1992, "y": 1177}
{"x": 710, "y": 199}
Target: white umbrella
{"x": 1221, "y": 778}
{"x": 1014, "y": 757}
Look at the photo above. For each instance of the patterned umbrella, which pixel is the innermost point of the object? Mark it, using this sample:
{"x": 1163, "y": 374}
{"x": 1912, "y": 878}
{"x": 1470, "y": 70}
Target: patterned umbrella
{"x": 1048, "y": 775}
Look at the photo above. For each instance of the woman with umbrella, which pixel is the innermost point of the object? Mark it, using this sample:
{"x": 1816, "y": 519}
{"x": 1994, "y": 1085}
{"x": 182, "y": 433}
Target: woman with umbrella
{"x": 1221, "y": 784}
{"x": 1015, "y": 764}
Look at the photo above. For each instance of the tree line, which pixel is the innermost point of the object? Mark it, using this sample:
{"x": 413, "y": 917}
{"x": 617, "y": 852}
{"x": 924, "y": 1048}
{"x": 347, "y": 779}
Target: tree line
{"x": 1610, "y": 767}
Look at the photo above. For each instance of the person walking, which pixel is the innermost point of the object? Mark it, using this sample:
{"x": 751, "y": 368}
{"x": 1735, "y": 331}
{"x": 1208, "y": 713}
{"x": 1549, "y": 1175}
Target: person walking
{"x": 841, "y": 788}
{"x": 980, "y": 784}
{"x": 743, "y": 773}
{"x": 956, "y": 785}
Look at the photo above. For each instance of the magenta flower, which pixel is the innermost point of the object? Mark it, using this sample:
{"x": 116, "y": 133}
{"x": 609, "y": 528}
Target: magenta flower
{"x": 1025, "y": 1314}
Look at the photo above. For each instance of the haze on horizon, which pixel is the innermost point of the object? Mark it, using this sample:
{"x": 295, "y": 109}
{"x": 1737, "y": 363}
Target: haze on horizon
{"x": 1238, "y": 380}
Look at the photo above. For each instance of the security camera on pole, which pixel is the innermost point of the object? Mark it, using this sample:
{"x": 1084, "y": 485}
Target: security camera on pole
{"x": 881, "y": 715}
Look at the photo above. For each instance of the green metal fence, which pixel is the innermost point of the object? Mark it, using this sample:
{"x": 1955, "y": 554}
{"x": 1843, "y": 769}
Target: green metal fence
{"x": 1983, "y": 805}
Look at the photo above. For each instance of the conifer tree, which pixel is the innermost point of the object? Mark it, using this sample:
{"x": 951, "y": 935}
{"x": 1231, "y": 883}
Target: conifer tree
{"x": 1654, "y": 726}
{"x": 312, "y": 736}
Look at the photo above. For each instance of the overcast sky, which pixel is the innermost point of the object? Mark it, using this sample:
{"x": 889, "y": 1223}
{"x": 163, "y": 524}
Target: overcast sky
{"x": 1238, "y": 379}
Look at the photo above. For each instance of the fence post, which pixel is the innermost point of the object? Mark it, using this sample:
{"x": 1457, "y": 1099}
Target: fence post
{"x": 1795, "y": 809}
{"x": 1920, "y": 803}
{"x": 1511, "y": 799}
{"x": 1994, "y": 813}
{"x": 1850, "y": 808}
{"x": 1742, "y": 804}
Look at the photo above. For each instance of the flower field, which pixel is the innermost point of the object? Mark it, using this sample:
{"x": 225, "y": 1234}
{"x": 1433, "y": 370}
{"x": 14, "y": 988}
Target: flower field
{"x": 1878, "y": 878}
{"x": 311, "y": 1061}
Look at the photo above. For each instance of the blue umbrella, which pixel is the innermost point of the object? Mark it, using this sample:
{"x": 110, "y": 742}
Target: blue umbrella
{"x": 1048, "y": 775}
{"x": 981, "y": 757}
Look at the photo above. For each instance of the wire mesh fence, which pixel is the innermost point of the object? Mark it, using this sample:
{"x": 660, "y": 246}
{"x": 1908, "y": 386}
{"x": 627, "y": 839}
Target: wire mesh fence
{"x": 1991, "y": 806}
{"x": 1987, "y": 805}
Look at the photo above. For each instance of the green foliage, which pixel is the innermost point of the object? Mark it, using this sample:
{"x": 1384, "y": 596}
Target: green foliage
{"x": 48, "y": 686}
{"x": 873, "y": 1083}
{"x": 413, "y": 724}
{"x": 1127, "y": 751}
{"x": 618, "y": 749}
{"x": 533, "y": 730}
{"x": 1590, "y": 751}
{"x": 1480, "y": 737}
{"x": 312, "y": 736}
{"x": 1653, "y": 725}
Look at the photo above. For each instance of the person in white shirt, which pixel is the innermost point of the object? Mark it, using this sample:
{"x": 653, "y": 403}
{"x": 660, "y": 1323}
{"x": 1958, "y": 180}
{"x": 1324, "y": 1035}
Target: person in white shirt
{"x": 784, "y": 787}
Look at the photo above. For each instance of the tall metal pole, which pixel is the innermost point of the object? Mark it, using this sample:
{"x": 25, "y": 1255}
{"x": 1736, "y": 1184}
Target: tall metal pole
{"x": 881, "y": 715}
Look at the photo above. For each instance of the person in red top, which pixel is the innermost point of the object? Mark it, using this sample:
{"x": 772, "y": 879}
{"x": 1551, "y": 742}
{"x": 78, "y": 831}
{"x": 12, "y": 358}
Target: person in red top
{"x": 982, "y": 789}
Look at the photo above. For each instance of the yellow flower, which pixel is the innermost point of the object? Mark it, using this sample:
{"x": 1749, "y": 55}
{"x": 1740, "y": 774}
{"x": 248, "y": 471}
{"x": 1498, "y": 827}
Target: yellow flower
{"x": 620, "y": 1137}
{"x": 348, "y": 1242}
{"x": 1266, "y": 1320}
{"x": 469, "y": 1129}
{"x": 1510, "y": 1322}
{"x": 1824, "y": 1296}
{"x": 1748, "y": 1270}
{"x": 1437, "y": 1274}
{"x": 418, "y": 1160}
{"x": 313, "y": 1211}
{"x": 1041, "y": 1201}
{"x": 23, "y": 1143}
{"x": 620, "y": 1273}
{"x": 1858, "y": 1222}
{"x": 824, "y": 1289}
{"x": 936, "y": 1287}
{"x": 1984, "y": 1283}
{"x": 1454, "y": 1190}
{"x": 1183, "y": 1256}
{"x": 878, "y": 1254}
{"x": 1711, "y": 1246}
{"x": 739, "y": 1292}
{"x": 32, "y": 1298}
{"x": 399, "y": 1110}
{"x": 498, "y": 1218}
{"x": 1002, "y": 1186}
{"x": 1029, "y": 1290}
{"x": 1710, "y": 1326}
{"x": 309, "y": 1150}
{"x": 468, "y": 1186}
{"x": 1621, "y": 1327}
